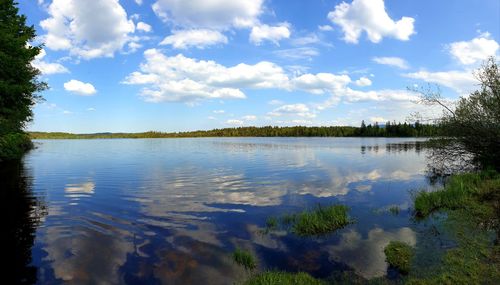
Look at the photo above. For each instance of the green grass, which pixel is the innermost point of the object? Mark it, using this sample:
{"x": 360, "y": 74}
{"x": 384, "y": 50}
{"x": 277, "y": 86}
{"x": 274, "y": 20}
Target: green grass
{"x": 394, "y": 209}
{"x": 245, "y": 259}
{"x": 459, "y": 192}
{"x": 321, "y": 220}
{"x": 283, "y": 278}
{"x": 472, "y": 206}
{"x": 398, "y": 255}
{"x": 14, "y": 145}
{"x": 317, "y": 221}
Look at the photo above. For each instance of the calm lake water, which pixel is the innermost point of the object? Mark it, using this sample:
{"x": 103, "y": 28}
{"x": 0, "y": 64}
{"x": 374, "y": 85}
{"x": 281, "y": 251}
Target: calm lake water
{"x": 171, "y": 211}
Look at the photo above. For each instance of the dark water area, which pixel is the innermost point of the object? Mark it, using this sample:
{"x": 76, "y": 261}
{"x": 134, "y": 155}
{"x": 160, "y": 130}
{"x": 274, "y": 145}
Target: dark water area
{"x": 171, "y": 211}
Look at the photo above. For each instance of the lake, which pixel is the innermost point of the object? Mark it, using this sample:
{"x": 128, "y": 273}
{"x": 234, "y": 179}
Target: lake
{"x": 172, "y": 211}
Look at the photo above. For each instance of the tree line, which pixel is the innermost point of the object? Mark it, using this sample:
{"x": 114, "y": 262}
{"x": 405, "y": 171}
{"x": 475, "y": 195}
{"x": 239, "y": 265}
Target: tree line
{"x": 389, "y": 130}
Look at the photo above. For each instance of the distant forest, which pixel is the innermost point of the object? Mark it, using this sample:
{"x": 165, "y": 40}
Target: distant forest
{"x": 388, "y": 130}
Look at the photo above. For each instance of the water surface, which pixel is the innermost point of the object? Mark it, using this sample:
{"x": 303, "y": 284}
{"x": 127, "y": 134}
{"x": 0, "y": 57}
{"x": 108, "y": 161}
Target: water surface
{"x": 171, "y": 211}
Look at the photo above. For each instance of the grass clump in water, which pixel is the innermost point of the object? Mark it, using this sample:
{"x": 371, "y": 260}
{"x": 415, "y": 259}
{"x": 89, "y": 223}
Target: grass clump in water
{"x": 321, "y": 220}
{"x": 283, "y": 278}
{"x": 394, "y": 209}
{"x": 460, "y": 191}
{"x": 318, "y": 221}
{"x": 245, "y": 259}
{"x": 398, "y": 255}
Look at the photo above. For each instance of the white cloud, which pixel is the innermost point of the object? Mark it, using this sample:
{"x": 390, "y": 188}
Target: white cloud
{"x": 325, "y": 28}
{"x": 80, "y": 88}
{"x": 306, "y": 40}
{"x": 249, "y": 118}
{"x": 273, "y": 34}
{"x": 139, "y": 2}
{"x": 363, "y": 81}
{"x": 320, "y": 83}
{"x": 300, "y": 110}
{"x": 235, "y": 122}
{"x": 275, "y": 102}
{"x": 475, "y": 50}
{"x": 371, "y": 17}
{"x": 141, "y": 26}
{"x": 461, "y": 81}
{"x": 179, "y": 78}
{"x": 47, "y": 68}
{"x": 91, "y": 109}
{"x": 199, "y": 38}
{"x": 211, "y": 14}
{"x": 297, "y": 53}
{"x": 378, "y": 120}
{"x": 392, "y": 61}
{"x": 75, "y": 26}
{"x": 219, "y": 111}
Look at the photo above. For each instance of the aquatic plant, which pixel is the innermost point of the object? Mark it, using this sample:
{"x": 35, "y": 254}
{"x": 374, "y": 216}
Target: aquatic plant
{"x": 321, "y": 220}
{"x": 244, "y": 258}
{"x": 394, "y": 209}
{"x": 398, "y": 255}
{"x": 283, "y": 278}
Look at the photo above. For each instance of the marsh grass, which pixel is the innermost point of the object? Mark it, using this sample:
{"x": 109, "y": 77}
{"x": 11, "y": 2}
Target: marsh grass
{"x": 394, "y": 209}
{"x": 460, "y": 191}
{"x": 398, "y": 255}
{"x": 245, "y": 259}
{"x": 317, "y": 221}
{"x": 472, "y": 206}
{"x": 283, "y": 278}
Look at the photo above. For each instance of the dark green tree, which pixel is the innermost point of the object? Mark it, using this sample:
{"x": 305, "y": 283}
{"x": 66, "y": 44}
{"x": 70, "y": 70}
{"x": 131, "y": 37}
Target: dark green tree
{"x": 19, "y": 82}
{"x": 469, "y": 132}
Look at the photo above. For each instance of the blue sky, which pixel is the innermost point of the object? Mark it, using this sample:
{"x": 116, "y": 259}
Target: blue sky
{"x": 177, "y": 65}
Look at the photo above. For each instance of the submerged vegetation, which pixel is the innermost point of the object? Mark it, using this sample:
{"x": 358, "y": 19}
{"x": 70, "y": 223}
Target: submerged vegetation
{"x": 245, "y": 259}
{"x": 398, "y": 255}
{"x": 283, "y": 278}
{"x": 472, "y": 206}
{"x": 318, "y": 221}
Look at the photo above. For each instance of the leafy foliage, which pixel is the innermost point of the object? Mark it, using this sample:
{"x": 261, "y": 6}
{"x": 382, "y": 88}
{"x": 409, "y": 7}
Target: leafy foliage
{"x": 18, "y": 78}
{"x": 469, "y": 134}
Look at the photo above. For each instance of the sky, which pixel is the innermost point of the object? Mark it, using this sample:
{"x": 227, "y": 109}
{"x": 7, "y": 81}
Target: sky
{"x": 180, "y": 65}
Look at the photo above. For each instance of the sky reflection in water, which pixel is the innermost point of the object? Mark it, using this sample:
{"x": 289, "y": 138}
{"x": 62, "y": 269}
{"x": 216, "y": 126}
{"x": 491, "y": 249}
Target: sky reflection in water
{"x": 172, "y": 210}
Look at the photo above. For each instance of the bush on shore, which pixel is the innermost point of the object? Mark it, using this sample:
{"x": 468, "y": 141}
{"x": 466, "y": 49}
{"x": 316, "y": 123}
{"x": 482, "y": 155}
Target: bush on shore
{"x": 14, "y": 145}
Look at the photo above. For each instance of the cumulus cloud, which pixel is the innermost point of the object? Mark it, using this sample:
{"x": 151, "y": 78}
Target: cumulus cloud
{"x": 371, "y": 17}
{"x": 179, "y": 78}
{"x": 199, "y": 38}
{"x": 392, "y": 61}
{"x": 300, "y": 110}
{"x": 274, "y": 34}
{"x": 183, "y": 79}
{"x": 475, "y": 50}
{"x": 74, "y": 25}
{"x": 47, "y": 68}
{"x": 363, "y": 82}
{"x": 80, "y": 88}
{"x": 211, "y": 14}
{"x": 460, "y": 81}
{"x": 320, "y": 83}
{"x": 141, "y": 26}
